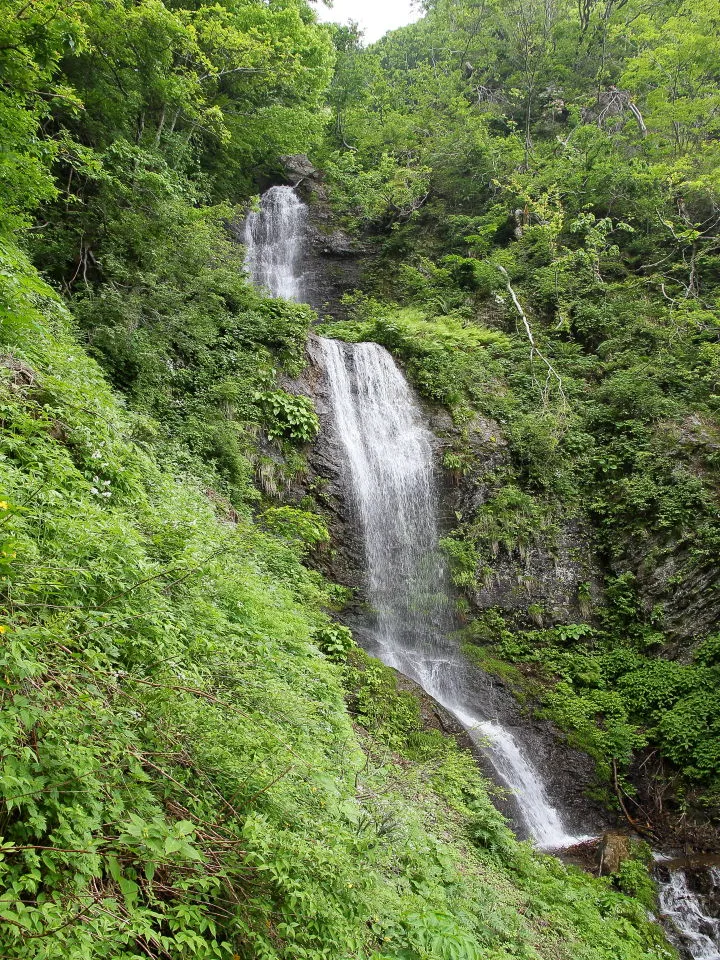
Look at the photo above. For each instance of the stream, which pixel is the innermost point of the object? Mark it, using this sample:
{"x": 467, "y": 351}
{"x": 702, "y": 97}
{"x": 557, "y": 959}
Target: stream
{"x": 389, "y": 475}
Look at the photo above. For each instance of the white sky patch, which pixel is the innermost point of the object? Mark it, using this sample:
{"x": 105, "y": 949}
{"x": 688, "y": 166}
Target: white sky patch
{"x": 375, "y": 17}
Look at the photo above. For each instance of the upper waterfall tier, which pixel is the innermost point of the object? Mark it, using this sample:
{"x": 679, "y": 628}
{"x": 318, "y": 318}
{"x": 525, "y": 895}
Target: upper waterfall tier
{"x": 274, "y": 237}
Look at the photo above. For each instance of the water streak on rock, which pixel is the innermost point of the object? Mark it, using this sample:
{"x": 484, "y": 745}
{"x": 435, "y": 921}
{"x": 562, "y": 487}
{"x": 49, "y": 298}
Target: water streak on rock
{"x": 687, "y": 919}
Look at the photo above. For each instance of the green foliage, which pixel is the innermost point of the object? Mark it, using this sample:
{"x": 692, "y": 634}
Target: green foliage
{"x": 182, "y": 773}
{"x": 598, "y": 723}
{"x": 135, "y": 127}
{"x": 556, "y": 291}
{"x": 512, "y": 520}
{"x": 335, "y": 641}
{"x": 179, "y": 769}
{"x": 389, "y": 191}
{"x": 634, "y": 878}
{"x": 611, "y": 697}
{"x": 464, "y": 560}
{"x": 708, "y": 652}
{"x": 689, "y": 733}
{"x": 288, "y": 417}
{"x": 393, "y": 716}
{"x": 297, "y": 526}
{"x": 171, "y": 738}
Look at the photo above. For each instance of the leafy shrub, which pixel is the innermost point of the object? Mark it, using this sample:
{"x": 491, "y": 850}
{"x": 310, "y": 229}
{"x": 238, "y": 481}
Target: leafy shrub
{"x": 598, "y": 723}
{"x": 393, "y": 715}
{"x": 536, "y": 438}
{"x": 335, "y": 640}
{"x": 488, "y": 828}
{"x": 658, "y": 685}
{"x": 512, "y": 519}
{"x": 634, "y": 879}
{"x": 708, "y": 652}
{"x": 288, "y": 416}
{"x": 690, "y": 734}
{"x": 296, "y": 525}
{"x": 464, "y": 561}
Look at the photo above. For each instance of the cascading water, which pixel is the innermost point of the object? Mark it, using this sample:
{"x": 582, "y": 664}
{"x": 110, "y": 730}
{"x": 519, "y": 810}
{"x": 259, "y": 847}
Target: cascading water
{"x": 687, "y": 919}
{"x": 274, "y": 237}
{"x": 389, "y": 471}
{"x": 389, "y": 465}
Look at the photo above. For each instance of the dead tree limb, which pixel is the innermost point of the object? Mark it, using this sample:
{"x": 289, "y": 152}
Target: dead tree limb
{"x": 535, "y": 351}
{"x": 638, "y": 117}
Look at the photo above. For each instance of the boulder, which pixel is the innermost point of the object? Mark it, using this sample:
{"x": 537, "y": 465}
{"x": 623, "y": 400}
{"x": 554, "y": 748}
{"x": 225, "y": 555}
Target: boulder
{"x": 614, "y": 851}
{"x": 307, "y": 180}
{"x": 298, "y": 167}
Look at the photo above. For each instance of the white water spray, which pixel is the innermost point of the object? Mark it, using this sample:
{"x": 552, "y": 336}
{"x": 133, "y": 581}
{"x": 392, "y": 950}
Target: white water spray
{"x": 389, "y": 466}
{"x": 274, "y": 237}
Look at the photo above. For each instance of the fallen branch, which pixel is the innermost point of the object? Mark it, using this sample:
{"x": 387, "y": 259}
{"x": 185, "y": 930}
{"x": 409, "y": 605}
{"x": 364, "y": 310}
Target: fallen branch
{"x": 638, "y": 118}
{"x": 534, "y": 349}
{"x": 645, "y": 829}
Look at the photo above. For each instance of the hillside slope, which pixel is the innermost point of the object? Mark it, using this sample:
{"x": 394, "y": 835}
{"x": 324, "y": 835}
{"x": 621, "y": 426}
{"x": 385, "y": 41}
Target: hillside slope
{"x": 181, "y": 772}
{"x": 195, "y": 760}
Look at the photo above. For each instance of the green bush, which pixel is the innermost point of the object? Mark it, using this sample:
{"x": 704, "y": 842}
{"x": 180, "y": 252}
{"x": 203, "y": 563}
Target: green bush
{"x": 335, "y": 641}
{"x": 297, "y": 526}
{"x": 690, "y": 734}
{"x": 634, "y": 879}
{"x": 464, "y": 561}
{"x": 288, "y": 417}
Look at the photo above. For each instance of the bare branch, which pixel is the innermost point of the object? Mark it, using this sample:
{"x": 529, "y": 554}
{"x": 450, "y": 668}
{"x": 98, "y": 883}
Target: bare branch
{"x": 552, "y": 373}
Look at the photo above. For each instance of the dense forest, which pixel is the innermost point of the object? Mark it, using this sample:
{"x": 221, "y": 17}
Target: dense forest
{"x": 196, "y": 758}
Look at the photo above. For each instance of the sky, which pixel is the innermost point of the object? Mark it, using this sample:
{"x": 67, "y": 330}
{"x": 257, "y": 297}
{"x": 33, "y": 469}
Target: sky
{"x": 375, "y": 17}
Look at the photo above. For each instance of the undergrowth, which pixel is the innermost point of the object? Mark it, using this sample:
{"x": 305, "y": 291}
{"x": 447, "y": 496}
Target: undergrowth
{"x": 185, "y": 773}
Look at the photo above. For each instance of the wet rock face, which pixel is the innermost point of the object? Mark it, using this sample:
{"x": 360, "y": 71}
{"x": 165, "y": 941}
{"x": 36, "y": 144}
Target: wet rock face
{"x": 558, "y": 579}
{"x": 688, "y": 592}
{"x": 308, "y": 181}
{"x": 548, "y": 580}
{"x": 706, "y": 883}
{"x": 332, "y": 268}
{"x": 332, "y": 263}
{"x": 344, "y": 563}
{"x": 669, "y": 575}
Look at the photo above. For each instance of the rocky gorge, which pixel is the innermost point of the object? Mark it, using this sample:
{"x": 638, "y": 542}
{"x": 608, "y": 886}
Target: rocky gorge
{"x": 558, "y": 582}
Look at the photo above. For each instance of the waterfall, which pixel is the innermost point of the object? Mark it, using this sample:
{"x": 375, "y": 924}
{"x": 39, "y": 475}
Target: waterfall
{"x": 273, "y": 243}
{"x": 688, "y": 924}
{"x": 389, "y": 471}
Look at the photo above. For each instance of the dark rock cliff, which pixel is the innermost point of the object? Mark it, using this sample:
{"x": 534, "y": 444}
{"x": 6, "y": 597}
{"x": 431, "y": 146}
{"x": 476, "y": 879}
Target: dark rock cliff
{"x": 557, "y": 578}
{"x": 332, "y": 263}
